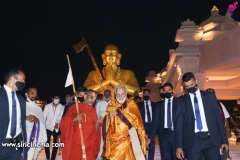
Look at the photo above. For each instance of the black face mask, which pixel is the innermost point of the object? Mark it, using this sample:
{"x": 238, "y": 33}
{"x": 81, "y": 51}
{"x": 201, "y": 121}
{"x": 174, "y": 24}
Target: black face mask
{"x": 168, "y": 94}
{"x": 162, "y": 95}
{"x": 193, "y": 89}
{"x": 146, "y": 98}
{"x": 80, "y": 99}
{"x": 20, "y": 86}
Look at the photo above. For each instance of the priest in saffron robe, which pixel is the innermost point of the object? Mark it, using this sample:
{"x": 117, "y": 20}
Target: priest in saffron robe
{"x": 123, "y": 130}
{"x": 70, "y": 131}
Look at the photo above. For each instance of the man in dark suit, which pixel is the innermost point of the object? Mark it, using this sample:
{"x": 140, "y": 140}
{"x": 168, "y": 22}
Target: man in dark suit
{"x": 12, "y": 116}
{"x": 147, "y": 108}
{"x": 198, "y": 124}
{"x": 163, "y": 124}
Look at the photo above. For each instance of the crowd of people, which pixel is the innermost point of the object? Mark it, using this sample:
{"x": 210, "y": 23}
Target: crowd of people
{"x": 193, "y": 126}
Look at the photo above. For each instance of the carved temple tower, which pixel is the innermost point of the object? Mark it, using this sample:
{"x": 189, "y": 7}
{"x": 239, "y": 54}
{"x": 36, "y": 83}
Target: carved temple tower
{"x": 211, "y": 51}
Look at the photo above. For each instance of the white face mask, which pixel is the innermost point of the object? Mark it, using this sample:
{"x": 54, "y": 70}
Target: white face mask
{"x": 56, "y": 101}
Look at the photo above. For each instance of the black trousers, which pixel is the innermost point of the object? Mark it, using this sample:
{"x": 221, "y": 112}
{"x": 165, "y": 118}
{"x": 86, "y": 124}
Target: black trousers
{"x": 151, "y": 147}
{"x": 167, "y": 146}
{"x": 203, "y": 147}
{"x": 54, "y": 149}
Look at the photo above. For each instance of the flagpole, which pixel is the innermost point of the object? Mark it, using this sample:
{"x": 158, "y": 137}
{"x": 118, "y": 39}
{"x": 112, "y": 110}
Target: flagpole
{"x": 84, "y": 156}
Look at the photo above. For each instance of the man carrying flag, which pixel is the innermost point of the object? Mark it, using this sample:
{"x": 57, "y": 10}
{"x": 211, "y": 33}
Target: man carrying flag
{"x": 69, "y": 125}
{"x": 80, "y": 132}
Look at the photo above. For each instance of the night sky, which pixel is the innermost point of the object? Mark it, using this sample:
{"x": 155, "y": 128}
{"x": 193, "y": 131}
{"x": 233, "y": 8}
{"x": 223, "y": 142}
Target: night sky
{"x": 36, "y": 36}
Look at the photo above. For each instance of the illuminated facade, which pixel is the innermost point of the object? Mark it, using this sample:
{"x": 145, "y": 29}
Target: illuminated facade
{"x": 211, "y": 51}
{"x": 154, "y": 81}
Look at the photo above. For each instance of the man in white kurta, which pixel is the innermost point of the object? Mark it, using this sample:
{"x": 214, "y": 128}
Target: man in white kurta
{"x": 100, "y": 107}
{"x": 53, "y": 115}
{"x": 35, "y": 124}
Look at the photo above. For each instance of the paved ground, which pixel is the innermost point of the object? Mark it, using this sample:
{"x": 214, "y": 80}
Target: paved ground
{"x": 234, "y": 153}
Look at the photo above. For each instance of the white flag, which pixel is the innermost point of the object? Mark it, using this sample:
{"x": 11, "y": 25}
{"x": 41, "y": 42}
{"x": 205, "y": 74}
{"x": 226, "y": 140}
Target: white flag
{"x": 69, "y": 80}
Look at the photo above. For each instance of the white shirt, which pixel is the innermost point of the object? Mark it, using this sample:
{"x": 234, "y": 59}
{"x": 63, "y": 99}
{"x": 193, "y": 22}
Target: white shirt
{"x": 101, "y": 107}
{"x": 201, "y": 109}
{"x": 165, "y": 111}
{"x": 150, "y": 110}
{"x": 225, "y": 112}
{"x": 53, "y": 115}
{"x": 18, "y": 129}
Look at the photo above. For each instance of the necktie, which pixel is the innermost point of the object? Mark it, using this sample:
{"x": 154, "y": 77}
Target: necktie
{"x": 148, "y": 113}
{"x": 197, "y": 113}
{"x": 169, "y": 119}
{"x": 14, "y": 116}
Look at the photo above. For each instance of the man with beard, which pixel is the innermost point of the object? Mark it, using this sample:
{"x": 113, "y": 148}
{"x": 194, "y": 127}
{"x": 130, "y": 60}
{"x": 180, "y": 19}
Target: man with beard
{"x": 102, "y": 104}
{"x": 198, "y": 124}
{"x": 123, "y": 130}
{"x": 70, "y": 131}
{"x": 35, "y": 123}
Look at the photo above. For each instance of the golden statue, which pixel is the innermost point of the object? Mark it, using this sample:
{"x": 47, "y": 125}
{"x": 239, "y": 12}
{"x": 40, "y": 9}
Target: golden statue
{"x": 111, "y": 75}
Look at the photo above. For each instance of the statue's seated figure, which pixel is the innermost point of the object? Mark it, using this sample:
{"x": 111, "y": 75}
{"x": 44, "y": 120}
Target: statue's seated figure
{"x": 112, "y": 74}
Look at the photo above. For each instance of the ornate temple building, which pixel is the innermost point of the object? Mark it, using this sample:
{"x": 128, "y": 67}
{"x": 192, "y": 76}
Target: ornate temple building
{"x": 211, "y": 51}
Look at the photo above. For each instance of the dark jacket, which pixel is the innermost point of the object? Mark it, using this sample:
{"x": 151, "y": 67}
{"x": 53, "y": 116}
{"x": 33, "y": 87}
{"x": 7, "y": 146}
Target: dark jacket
{"x": 158, "y": 121}
{"x": 4, "y": 118}
{"x": 185, "y": 121}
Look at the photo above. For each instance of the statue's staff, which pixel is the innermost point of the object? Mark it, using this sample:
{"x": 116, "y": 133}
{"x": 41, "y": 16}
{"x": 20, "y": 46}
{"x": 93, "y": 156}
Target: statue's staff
{"x": 69, "y": 82}
{"x": 80, "y": 46}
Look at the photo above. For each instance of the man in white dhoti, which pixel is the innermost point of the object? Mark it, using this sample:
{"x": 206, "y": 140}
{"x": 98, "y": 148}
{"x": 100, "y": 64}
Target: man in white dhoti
{"x": 35, "y": 124}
